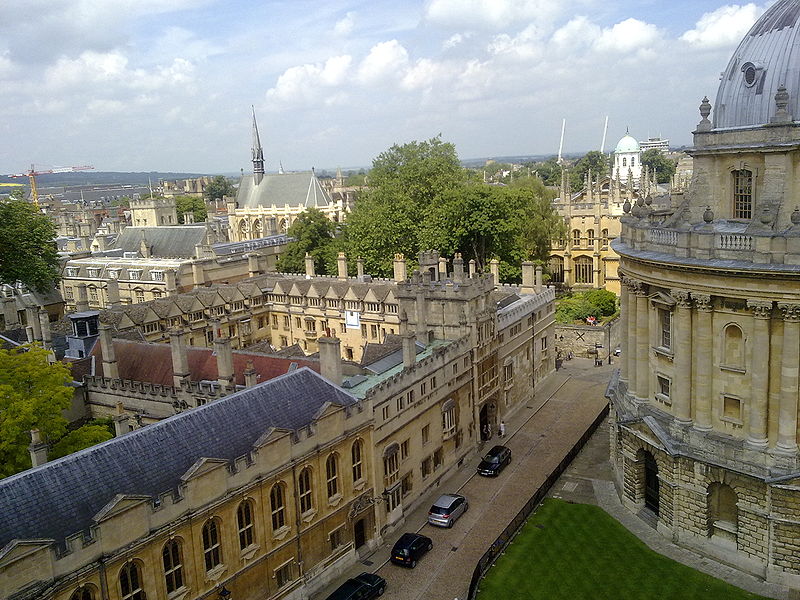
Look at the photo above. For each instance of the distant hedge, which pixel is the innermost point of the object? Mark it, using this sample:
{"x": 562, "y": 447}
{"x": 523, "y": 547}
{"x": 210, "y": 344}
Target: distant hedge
{"x": 580, "y": 305}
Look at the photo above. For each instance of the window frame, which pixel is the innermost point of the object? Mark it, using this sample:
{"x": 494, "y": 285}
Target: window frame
{"x": 172, "y": 562}
{"x": 245, "y": 524}
{"x": 212, "y": 546}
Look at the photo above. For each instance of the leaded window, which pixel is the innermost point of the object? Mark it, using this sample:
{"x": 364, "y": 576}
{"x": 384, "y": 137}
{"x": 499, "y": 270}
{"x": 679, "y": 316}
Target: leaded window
{"x": 743, "y": 194}
{"x": 244, "y": 521}
{"x": 173, "y": 566}
{"x": 212, "y": 551}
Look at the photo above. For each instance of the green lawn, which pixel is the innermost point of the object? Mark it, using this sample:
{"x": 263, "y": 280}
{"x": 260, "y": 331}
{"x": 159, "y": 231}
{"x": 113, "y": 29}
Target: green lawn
{"x": 576, "y": 551}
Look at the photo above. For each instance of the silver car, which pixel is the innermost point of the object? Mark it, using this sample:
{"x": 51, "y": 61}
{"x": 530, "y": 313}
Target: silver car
{"x": 447, "y": 509}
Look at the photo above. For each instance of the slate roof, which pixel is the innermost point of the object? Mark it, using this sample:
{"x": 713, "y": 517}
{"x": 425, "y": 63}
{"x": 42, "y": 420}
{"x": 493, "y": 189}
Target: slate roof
{"x": 292, "y": 189}
{"x": 175, "y": 241}
{"x": 60, "y": 498}
{"x": 153, "y": 363}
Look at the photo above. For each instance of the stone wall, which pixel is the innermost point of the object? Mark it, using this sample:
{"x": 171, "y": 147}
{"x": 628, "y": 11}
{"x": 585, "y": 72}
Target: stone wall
{"x": 581, "y": 340}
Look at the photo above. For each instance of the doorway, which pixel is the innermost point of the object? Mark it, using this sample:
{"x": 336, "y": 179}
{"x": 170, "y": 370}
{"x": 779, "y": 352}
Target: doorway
{"x": 650, "y": 483}
{"x": 359, "y": 533}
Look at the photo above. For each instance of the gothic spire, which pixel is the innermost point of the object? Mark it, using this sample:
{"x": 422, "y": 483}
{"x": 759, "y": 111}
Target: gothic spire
{"x": 258, "y": 152}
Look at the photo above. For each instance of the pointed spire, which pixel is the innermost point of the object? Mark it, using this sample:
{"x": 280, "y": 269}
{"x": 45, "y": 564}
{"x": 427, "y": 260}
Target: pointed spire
{"x": 258, "y": 152}
{"x": 280, "y": 170}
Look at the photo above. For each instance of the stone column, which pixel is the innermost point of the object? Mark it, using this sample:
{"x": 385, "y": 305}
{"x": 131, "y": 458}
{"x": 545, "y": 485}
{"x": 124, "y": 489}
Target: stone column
{"x": 624, "y": 310}
{"x": 180, "y": 359}
{"x": 225, "y": 378}
{"x": 703, "y": 362}
{"x": 494, "y": 269}
{"x": 787, "y": 420}
{"x": 757, "y": 434}
{"x": 681, "y": 391}
{"x": 642, "y": 359}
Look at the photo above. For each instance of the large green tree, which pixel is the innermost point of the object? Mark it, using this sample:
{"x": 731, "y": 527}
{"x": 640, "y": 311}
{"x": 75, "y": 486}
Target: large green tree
{"x": 314, "y": 234}
{"x": 29, "y": 253}
{"x": 594, "y": 161}
{"x": 33, "y": 393}
{"x": 192, "y": 204}
{"x": 218, "y": 187}
{"x": 663, "y": 166}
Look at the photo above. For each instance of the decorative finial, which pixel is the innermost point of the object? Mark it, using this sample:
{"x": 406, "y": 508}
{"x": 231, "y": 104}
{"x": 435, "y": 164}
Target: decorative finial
{"x": 705, "y": 110}
{"x": 708, "y": 215}
{"x": 649, "y": 200}
{"x": 781, "y": 102}
{"x": 626, "y": 207}
{"x": 765, "y": 217}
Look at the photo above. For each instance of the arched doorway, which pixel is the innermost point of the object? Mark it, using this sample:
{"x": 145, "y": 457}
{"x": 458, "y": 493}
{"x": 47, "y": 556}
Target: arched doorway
{"x": 650, "y": 483}
{"x": 486, "y": 421}
{"x": 359, "y": 533}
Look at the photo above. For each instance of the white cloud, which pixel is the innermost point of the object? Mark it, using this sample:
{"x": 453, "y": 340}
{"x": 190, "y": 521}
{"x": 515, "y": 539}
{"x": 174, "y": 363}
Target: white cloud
{"x": 89, "y": 67}
{"x": 725, "y": 26}
{"x": 426, "y": 73}
{"x": 304, "y": 83}
{"x": 453, "y": 41}
{"x": 628, "y": 35}
{"x": 490, "y": 14}
{"x": 344, "y": 26}
{"x": 525, "y": 45}
{"x": 384, "y": 60}
{"x": 577, "y": 34}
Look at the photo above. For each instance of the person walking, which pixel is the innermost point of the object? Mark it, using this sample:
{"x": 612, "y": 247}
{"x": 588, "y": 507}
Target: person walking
{"x": 502, "y": 429}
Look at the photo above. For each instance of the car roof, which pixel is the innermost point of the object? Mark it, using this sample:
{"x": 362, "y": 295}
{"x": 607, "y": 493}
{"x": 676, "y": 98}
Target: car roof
{"x": 407, "y": 538}
{"x": 447, "y": 499}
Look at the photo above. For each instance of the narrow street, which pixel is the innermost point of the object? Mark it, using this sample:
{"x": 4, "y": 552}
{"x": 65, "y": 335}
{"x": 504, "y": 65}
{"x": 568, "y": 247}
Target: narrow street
{"x": 539, "y": 435}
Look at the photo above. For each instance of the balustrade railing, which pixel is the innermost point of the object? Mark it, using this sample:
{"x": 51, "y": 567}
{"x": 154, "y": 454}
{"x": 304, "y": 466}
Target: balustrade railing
{"x": 665, "y": 237}
{"x": 734, "y": 241}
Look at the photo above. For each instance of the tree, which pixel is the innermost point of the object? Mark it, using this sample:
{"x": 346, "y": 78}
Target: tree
{"x": 549, "y": 171}
{"x": 85, "y": 436}
{"x": 33, "y": 393}
{"x": 655, "y": 160}
{"x": 219, "y": 187}
{"x": 314, "y": 234}
{"x": 192, "y": 204}
{"x": 17, "y": 194}
{"x": 579, "y": 306}
{"x": 29, "y": 253}
{"x": 594, "y": 161}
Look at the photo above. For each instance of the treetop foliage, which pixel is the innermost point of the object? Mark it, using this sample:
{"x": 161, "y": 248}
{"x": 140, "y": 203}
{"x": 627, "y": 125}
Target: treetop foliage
{"x": 192, "y": 204}
{"x": 580, "y": 305}
{"x": 218, "y": 187}
{"x": 29, "y": 253}
{"x": 663, "y": 166}
{"x": 314, "y": 234}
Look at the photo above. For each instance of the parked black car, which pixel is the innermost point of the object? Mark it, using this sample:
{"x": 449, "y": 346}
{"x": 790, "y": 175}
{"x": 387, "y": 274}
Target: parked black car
{"x": 495, "y": 461}
{"x": 361, "y": 587}
{"x": 410, "y": 548}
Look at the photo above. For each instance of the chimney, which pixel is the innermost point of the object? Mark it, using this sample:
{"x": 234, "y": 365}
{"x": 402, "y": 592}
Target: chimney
{"x": 109, "y": 357}
{"x": 32, "y": 317}
{"x": 422, "y": 316}
{"x": 409, "y": 343}
{"x": 472, "y": 269}
{"x": 442, "y": 268}
{"x": 38, "y": 449}
{"x": 197, "y": 273}
{"x": 121, "y": 421}
{"x": 458, "y": 268}
{"x": 188, "y": 218}
{"x": 330, "y": 359}
{"x": 360, "y": 268}
{"x": 82, "y": 300}
{"x": 341, "y": 263}
{"x": 309, "y": 266}
{"x": 250, "y": 375}
{"x": 538, "y": 287}
{"x": 252, "y": 265}
{"x": 44, "y": 324}
{"x": 528, "y": 278}
{"x": 400, "y": 270}
{"x": 180, "y": 359}
{"x": 10, "y": 312}
{"x": 494, "y": 269}
{"x": 112, "y": 293}
{"x": 222, "y": 346}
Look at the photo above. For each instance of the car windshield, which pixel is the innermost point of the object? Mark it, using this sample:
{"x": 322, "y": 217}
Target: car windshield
{"x": 491, "y": 459}
{"x": 402, "y": 551}
{"x": 439, "y": 510}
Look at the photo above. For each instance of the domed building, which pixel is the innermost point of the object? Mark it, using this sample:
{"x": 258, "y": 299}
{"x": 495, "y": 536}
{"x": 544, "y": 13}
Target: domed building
{"x": 705, "y": 408}
{"x": 627, "y": 160}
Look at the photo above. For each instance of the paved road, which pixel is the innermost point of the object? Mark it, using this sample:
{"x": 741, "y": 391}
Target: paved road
{"x": 540, "y": 434}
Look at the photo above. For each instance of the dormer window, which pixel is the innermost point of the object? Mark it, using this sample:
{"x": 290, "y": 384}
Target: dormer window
{"x": 742, "y": 194}
{"x": 72, "y": 271}
{"x": 134, "y": 274}
{"x": 93, "y": 272}
{"x": 157, "y": 275}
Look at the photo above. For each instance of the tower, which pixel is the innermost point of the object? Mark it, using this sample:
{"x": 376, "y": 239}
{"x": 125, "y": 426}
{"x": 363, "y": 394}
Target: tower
{"x": 627, "y": 160}
{"x": 258, "y": 152}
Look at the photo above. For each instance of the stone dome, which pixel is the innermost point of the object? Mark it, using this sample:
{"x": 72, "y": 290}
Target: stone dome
{"x": 767, "y": 58}
{"x": 627, "y": 144}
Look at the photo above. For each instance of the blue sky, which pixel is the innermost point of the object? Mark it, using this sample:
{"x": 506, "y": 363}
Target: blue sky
{"x": 135, "y": 85}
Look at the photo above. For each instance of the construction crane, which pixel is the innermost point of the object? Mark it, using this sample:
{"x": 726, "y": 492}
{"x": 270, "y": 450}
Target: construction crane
{"x": 33, "y": 173}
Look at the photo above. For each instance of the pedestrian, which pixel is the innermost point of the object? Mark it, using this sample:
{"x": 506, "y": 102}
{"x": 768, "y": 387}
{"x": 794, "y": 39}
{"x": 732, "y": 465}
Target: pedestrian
{"x": 502, "y": 429}
{"x": 488, "y": 431}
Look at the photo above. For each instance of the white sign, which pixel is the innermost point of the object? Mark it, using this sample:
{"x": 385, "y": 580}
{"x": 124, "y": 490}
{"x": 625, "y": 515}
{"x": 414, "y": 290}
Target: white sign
{"x": 352, "y": 319}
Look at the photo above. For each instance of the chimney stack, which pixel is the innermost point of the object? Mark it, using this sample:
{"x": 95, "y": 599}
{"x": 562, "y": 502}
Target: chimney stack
{"x": 458, "y": 268}
{"x": 112, "y": 293}
{"x": 222, "y": 346}
{"x": 442, "y": 268}
{"x": 309, "y": 266}
{"x": 494, "y": 269}
{"x": 472, "y": 269}
{"x": 250, "y": 375}
{"x": 38, "y": 449}
{"x": 528, "y": 278}
{"x": 341, "y": 263}
{"x": 32, "y": 316}
{"x": 538, "y": 287}
{"x": 171, "y": 279}
{"x": 121, "y": 421}
{"x": 330, "y": 359}
{"x": 109, "y": 357}
{"x": 252, "y": 265}
{"x": 82, "y": 300}
{"x": 409, "y": 343}
{"x": 180, "y": 359}
{"x": 360, "y": 268}
{"x": 44, "y": 324}
{"x": 400, "y": 269}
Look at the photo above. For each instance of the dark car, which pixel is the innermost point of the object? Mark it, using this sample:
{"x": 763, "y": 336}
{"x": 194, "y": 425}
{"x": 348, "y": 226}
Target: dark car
{"x": 495, "y": 461}
{"x": 410, "y": 548}
{"x": 361, "y": 587}
{"x": 447, "y": 509}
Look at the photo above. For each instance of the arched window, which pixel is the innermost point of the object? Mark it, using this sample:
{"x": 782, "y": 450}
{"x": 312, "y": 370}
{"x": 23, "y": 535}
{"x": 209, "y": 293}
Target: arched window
{"x": 82, "y": 593}
{"x": 733, "y": 346}
{"x": 173, "y": 565}
{"x": 244, "y": 521}
{"x": 212, "y": 551}
{"x": 130, "y": 582}
{"x": 576, "y": 237}
{"x": 590, "y": 236}
{"x": 742, "y": 194}
{"x": 604, "y": 235}
{"x": 723, "y": 513}
{"x": 332, "y": 475}
{"x": 304, "y": 488}
{"x": 633, "y": 161}
{"x": 624, "y": 162}
{"x": 355, "y": 453}
{"x": 277, "y": 506}
{"x": 584, "y": 272}
{"x": 556, "y": 269}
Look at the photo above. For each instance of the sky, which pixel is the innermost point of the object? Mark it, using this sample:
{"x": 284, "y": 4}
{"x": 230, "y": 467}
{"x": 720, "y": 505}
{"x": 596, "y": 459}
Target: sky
{"x": 155, "y": 85}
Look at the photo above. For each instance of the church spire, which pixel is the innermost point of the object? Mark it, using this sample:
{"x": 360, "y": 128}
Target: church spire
{"x": 258, "y": 152}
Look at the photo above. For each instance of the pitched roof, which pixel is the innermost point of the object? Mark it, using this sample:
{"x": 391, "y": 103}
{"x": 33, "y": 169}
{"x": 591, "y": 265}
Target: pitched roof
{"x": 61, "y": 498}
{"x": 153, "y": 363}
{"x": 174, "y": 241}
{"x": 292, "y": 189}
